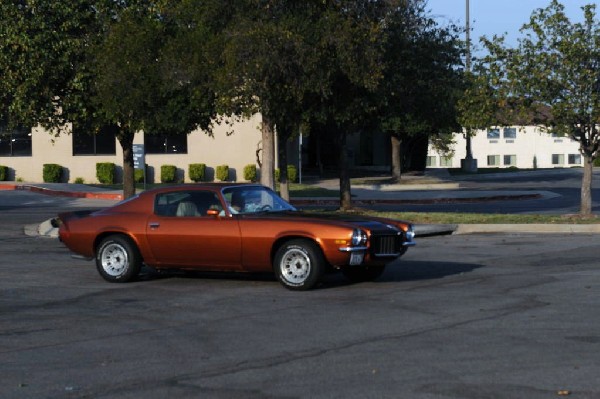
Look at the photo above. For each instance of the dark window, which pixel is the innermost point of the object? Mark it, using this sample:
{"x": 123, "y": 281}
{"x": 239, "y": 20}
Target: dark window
{"x": 163, "y": 144}
{"x": 493, "y": 134}
{"x": 510, "y": 133}
{"x": 15, "y": 142}
{"x": 574, "y": 159}
{"x": 186, "y": 203}
{"x": 101, "y": 143}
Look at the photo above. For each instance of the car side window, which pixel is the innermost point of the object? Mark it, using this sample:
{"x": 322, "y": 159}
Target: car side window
{"x": 193, "y": 203}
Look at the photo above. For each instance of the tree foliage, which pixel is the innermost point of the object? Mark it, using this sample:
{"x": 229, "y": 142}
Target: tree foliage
{"x": 553, "y": 78}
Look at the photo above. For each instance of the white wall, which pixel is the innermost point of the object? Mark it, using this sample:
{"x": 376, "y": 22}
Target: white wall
{"x": 236, "y": 150}
{"x": 532, "y": 148}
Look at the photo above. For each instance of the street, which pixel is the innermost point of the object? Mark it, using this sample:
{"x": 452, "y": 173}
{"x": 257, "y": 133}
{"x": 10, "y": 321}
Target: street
{"x": 477, "y": 316}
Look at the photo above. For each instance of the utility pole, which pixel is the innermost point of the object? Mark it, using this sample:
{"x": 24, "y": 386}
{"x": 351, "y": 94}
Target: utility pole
{"x": 469, "y": 164}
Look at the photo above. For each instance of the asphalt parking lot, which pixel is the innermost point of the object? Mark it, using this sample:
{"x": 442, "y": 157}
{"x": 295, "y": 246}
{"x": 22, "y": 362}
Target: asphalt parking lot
{"x": 475, "y": 316}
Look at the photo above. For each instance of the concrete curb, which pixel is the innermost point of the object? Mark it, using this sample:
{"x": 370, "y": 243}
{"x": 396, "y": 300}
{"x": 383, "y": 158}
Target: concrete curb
{"x": 62, "y": 193}
{"x": 527, "y": 228}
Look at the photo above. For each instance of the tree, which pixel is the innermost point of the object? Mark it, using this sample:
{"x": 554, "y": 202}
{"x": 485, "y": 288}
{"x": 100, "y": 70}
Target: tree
{"x": 129, "y": 64}
{"x": 270, "y": 65}
{"x": 556, "y": 66}
{"x": 423, "y": 78}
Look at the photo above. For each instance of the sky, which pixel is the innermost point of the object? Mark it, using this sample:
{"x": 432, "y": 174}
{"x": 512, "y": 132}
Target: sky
{"x": 489, "y": 17}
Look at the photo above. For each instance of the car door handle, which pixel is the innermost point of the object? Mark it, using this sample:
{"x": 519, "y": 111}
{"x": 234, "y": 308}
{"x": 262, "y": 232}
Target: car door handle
{"x": 154, "y": 225}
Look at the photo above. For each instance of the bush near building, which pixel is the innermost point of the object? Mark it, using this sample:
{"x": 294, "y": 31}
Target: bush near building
{"x": 52, "y": 173}
{"x": 197, "y": 172}
{"x": 105, "y": 172}
{"x": 250, "y": 173}
{"x": 223, "y": 172}
{"x": 168, "y": 173}
{"x": 3, "y": 172}
{"x": 292, "y": 174}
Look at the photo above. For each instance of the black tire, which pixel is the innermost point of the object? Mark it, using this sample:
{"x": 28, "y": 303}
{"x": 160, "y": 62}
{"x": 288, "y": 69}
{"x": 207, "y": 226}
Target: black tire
{"x": 359, "y": 274}
{"x": 117, "y": 259}
{"x": 299, "y": 264}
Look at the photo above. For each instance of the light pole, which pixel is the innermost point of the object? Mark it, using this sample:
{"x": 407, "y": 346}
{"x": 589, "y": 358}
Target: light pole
{"x": 468, "y": 164}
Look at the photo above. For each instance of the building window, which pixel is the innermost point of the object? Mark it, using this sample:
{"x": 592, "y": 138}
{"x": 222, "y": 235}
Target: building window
{"x": 574, "y": 159}
{"x": 15, "y": 142}
{"x": 558, "y": 159}
{"x": 510, "y": 160}
{"x": 446, "y": 162}
{"x": 101, "y": 143}
{"x": 431, "y": 161}
{"x": 493, "y": 160}
{"x": 163, "y": 144}
{"x": 493, "y": 134}
{"x": 510, "y": 133}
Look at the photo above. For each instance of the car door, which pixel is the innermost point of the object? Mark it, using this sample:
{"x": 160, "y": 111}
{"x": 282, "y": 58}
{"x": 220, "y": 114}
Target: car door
{"x": 180, "y": 233}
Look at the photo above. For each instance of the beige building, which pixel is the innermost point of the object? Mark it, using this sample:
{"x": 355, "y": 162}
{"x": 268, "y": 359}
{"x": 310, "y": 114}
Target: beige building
{"x": 520, "y": 147}
{"x": 25, "y": 152}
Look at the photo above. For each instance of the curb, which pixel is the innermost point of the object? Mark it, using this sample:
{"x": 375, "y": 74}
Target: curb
{"x": 61, "y": 193}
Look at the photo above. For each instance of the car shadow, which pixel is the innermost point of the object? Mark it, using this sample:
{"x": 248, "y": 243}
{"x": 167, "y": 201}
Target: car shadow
{"x": 396, "y": 273}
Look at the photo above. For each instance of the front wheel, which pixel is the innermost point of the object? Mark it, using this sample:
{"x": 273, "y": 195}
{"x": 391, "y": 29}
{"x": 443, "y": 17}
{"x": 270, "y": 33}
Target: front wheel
{"x": 117, "y": 259}
{"x": 359, "y": 274}
{"x": 299, "y": 264}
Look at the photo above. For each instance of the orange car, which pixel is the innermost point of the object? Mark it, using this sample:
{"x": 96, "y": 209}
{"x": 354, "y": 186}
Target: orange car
{"x": 234, "y": 227}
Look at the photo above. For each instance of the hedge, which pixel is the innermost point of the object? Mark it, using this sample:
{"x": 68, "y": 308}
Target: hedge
{"x": 105, "y": 172}
{"x": 168, "y": 173}
{"x": 52, "y": 173}
{"x": 292, "y": 174}
{"x": 223, "y": 172}
{"x": 197, "y": 172}
{"x": 3, "y": 172}
{"x": 250, "y": 173}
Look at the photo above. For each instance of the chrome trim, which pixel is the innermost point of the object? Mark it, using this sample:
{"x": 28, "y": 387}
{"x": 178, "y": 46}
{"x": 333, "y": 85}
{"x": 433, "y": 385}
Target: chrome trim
{"x": 409, "y": 244}
{"x": 352, "y": 249}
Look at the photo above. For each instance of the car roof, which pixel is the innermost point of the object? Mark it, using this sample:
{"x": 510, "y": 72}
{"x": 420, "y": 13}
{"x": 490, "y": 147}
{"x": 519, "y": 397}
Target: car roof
{"x": 198, "y": 186}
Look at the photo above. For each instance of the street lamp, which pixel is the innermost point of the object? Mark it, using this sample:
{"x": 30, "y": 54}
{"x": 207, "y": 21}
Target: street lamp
{"x": 468, "y": 164}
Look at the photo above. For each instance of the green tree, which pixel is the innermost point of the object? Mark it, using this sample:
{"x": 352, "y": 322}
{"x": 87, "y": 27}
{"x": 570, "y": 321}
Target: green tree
{"x": 423, "y": 78}
{"x": 136, "y": 65}
{"x": 556, "y": 68}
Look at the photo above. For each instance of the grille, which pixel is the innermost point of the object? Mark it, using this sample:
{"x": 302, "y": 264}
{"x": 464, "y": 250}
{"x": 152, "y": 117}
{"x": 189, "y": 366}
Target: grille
{"x": 386, "y": 245}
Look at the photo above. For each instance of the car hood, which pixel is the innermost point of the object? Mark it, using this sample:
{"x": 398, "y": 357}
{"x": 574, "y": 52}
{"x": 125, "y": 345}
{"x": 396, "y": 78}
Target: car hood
{"x": 366, "y": 222}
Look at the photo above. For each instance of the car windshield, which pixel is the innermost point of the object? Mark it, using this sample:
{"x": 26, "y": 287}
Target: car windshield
{"x": 253, "y": 199}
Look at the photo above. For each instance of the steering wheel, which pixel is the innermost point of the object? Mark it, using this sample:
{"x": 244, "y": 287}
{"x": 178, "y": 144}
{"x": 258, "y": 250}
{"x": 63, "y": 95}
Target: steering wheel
{"x": 265, "y": 208}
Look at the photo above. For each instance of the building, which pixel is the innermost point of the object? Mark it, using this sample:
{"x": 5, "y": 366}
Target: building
{"x": 520, "y": 147}
{"x": 25, "y": 151}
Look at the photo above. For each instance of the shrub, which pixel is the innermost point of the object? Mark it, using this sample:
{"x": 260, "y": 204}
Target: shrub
{"x": 138, "y": 176}
{"x": 597, "y": 162}
{"x": 105, "y": 172}
{"x": 197, "y": 171}
{"x": 223, "y": 172}
{"x": 79, "y": 180}
{"x": 292, "y": 174}
{"x": 3, "y": 172}
{"x": 168, "y": 173}
{"x": 52, "y": 173}
{"x": 250, "y": 172}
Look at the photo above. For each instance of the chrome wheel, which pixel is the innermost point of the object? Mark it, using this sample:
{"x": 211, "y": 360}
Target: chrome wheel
{"x": 299, "y": 264}
{"x": 114, "y": 259}
{"x": 118, "y": 259}
{"x": 295, "y": 266}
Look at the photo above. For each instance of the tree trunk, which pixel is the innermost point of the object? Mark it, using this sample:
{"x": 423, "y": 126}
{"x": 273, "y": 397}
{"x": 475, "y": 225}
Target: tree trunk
{"x": 284, "y": 189}
{"x": 345, "y": 191}
{"x": 268, "y": 154}
{"x": 126, "y": 140}
{"x": 396, "y": 158}
{"x": 586, "y": 186}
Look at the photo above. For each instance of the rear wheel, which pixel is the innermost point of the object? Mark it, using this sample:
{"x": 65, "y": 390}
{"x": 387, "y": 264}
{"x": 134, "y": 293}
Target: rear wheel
{"x": 358, "y": 274}
{"x": 118, "y": 259}
{"x": 299, "y": 264}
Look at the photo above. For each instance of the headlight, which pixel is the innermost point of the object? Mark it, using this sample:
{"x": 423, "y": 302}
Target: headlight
{"x": 410, "y": 233}
{"x": 359, "y": 237}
